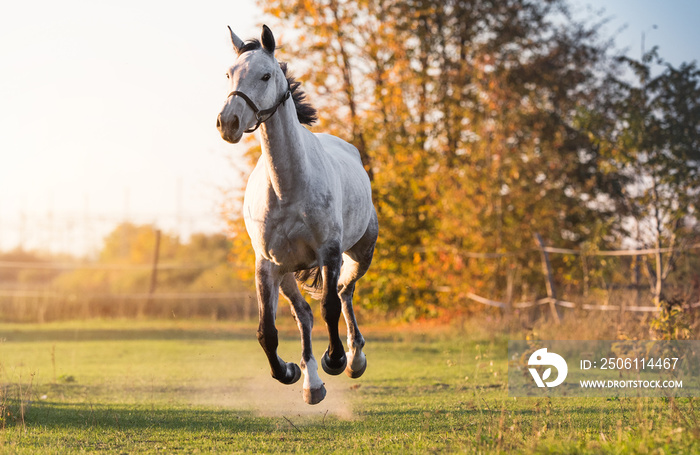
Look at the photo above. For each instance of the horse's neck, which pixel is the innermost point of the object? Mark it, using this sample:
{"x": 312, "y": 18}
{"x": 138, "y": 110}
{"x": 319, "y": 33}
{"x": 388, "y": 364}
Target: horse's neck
{"x": 283, "y": 151}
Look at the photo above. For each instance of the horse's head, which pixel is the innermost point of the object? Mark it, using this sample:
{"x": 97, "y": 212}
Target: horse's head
{"x": 257, "y": 87}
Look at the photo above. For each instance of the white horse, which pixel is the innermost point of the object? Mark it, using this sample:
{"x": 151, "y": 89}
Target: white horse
{"x": 308, "y": 210}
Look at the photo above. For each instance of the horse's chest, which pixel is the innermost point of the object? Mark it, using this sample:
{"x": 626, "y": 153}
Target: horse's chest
{"x": 283, "y": 235}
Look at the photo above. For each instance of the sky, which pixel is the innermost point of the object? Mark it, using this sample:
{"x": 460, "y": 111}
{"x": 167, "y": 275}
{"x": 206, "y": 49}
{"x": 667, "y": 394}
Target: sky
{"x": 107, "y": 109}
{"x": 671, "y": 25}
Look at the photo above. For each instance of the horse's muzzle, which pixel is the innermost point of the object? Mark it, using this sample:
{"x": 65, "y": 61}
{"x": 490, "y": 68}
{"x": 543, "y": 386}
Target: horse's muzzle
{"x": 230, "y": 130}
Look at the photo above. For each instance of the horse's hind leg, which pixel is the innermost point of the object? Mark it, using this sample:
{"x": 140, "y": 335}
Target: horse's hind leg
{"x": 314, "y": 391}
{"x": 357, "y": 362}
{"x": 355, "y": 264}
{"x": 333, "y": 360}
{"x": 267, "y": 283}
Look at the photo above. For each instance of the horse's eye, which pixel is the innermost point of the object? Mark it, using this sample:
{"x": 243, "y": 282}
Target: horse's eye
{"x": 267, "y": 77}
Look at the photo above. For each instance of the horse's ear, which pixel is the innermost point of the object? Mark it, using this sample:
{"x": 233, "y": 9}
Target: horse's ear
{"x": 268, "y": 39}
{"x": 236, "y": 41}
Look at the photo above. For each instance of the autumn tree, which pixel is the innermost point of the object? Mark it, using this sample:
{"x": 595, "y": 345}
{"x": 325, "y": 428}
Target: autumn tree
{"x": 124, "y": 264}
{"x": 466, "y": 115}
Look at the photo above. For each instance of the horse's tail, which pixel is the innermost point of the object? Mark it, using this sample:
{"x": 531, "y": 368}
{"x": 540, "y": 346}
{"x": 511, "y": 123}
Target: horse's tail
{"x": 311, "y": 280}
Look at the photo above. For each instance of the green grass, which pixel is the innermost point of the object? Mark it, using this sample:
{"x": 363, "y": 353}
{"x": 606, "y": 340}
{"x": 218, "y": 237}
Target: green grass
{"x": 178, "y": 387}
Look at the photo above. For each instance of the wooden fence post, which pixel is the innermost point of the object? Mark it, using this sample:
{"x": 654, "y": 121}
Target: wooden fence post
{"x": 637, "y": 293}
{"x": 510, "y": 282}
{"x": 154, "y": 270}
{"x": 547, "y": 269}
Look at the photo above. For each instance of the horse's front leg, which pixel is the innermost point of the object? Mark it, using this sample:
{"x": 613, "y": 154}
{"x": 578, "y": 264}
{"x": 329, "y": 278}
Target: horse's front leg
{"x": 334, "y": 359}
{"x": 313, "y": 391}
{"x": 267, "y": 283}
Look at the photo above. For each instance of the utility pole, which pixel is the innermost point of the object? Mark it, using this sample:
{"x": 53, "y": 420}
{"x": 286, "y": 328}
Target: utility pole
{"x": 154, "y": 271}
{"x": 178, "y": 206}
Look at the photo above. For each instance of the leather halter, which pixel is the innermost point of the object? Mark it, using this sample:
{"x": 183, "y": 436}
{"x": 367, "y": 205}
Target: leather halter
{"x": 259, "y": 114}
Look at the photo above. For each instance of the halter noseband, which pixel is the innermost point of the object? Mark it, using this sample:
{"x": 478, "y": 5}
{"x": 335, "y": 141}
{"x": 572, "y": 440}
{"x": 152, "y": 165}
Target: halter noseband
{"x": 259, "y": 114}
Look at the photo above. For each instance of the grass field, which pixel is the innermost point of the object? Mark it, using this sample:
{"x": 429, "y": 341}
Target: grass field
{"x": 189, "y": 387}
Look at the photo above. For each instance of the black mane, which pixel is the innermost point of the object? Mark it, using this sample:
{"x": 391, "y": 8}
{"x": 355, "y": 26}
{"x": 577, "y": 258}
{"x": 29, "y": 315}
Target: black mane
{"x": 306, "y": 113}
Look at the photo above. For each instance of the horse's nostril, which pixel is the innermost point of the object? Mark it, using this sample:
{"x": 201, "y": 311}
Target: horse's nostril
{"x": 230, "y": 126}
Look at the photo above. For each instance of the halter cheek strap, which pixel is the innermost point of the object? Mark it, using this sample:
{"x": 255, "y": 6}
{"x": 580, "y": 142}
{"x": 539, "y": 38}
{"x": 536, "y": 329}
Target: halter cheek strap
{"x": 264, "y": 114}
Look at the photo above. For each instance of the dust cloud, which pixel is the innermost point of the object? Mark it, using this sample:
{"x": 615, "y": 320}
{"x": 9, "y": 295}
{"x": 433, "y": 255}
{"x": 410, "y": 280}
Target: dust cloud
{"x": 266, "y": 397}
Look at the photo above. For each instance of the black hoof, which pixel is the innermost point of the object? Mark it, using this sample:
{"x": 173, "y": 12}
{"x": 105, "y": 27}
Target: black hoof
{"x": 312, "y": 396}
{"x": 333, "y": 367}
{"x": 293, "y": 374}
{"x": 356, "y": 374}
